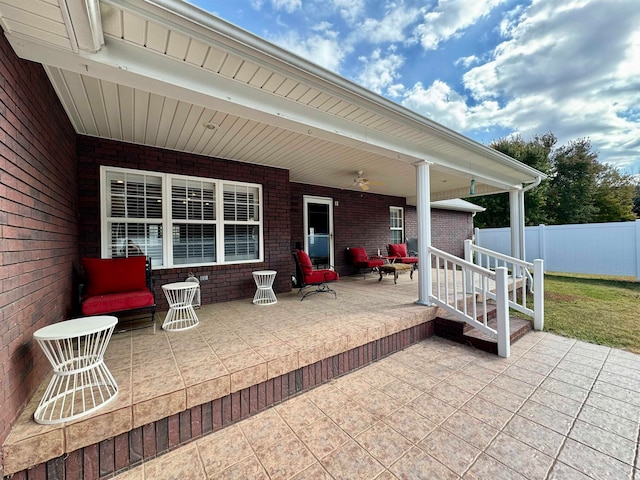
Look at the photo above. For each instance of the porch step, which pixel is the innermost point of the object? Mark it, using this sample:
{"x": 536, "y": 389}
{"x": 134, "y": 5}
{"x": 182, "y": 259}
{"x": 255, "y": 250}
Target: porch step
{"x": 446, "y": 326}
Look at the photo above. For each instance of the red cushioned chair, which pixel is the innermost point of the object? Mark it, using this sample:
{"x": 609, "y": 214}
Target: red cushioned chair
{"x": 360, "y": 259}
{"x": 398, "y": 252}
{"x": 117, "y": 286}
{"x": 307, "y": 276}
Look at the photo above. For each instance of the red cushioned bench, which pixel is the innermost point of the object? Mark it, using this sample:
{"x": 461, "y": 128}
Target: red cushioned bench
{"x": 117, "y": 286}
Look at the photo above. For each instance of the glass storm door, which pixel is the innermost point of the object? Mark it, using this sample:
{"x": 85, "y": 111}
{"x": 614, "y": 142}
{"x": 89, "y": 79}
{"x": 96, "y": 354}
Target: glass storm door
{"x": 318, "y": 227}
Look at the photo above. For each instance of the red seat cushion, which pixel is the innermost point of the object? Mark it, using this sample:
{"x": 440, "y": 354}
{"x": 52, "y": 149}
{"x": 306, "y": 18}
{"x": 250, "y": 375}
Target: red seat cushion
{"x": 407, "y": 260}
{"x": 397, "y": 250}
{"x": 114, "y": 275}
{"x": 117, "y": 302}
{"x": 321, "y": 276}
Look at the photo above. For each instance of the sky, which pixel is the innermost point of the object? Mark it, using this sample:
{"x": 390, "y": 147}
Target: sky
{"x": 485, "y": 68}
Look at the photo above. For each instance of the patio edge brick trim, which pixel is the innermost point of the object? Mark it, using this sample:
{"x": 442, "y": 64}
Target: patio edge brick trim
{"x": 122, "y": 452}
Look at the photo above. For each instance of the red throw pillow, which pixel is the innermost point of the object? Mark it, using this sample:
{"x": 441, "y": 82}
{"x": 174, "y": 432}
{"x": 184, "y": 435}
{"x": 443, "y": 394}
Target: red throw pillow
{"x": 397, "y": 250}
{"x": 305, "y": 262}
{"x": 114, "y": 275}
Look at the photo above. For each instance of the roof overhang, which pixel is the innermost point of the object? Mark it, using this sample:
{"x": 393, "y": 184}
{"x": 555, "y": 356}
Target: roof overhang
{"x": 160, "y": 72}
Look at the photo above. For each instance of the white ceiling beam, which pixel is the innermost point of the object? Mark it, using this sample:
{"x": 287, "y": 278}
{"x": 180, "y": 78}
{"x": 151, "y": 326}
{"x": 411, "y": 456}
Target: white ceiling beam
{"x": 84, "y": 21}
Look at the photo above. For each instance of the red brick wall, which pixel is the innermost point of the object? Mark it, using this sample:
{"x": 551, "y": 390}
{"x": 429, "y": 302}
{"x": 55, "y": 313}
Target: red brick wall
{"x": 361, "y": 219}
{"x": 226, "y": 282}
{"x": 449, "y": 230}
{"x": 38, "y": 225}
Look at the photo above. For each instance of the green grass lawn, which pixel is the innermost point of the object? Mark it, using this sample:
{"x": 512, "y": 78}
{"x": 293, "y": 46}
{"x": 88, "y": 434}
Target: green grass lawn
{"x": 594, "y": 309}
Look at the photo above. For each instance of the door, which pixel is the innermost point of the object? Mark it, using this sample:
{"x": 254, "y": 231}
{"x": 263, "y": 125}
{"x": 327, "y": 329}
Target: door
{"x": 318, "y": 227}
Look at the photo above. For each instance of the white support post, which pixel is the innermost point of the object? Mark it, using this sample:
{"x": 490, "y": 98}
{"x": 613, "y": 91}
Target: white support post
{"x": 538, "y": 296}
{"x": 502, "y": 311}
{"x": 468, "y": 256}
{"x": 514, "y": 225}
{"x": 423, "y": 208}
{"x": 522, "y": 251}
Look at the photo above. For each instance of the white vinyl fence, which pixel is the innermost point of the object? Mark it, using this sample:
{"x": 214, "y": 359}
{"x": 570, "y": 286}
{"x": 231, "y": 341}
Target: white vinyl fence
{"x": 594, "y": 248}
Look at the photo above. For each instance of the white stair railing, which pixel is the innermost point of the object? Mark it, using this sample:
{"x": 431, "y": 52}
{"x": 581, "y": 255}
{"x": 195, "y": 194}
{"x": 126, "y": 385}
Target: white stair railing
{"x": 456, "y": 285}
{"x": 520, "y": 280}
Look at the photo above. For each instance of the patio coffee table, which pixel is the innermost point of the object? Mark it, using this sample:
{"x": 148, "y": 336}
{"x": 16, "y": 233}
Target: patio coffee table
{"x": 81, "y": 381}
{"x": 395, "y": 268}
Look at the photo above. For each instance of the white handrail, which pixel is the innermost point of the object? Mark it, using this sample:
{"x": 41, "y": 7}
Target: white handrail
{"x": 462, "y": 288}
{"x": 457, "y": 285}
{"x": 520, "y": 279}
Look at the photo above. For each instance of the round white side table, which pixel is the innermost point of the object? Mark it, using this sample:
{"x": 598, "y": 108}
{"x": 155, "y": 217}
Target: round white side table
{"x": 181, "y": 315}
{"x": 264, "y": 281}
{"x": 81, "y": 381}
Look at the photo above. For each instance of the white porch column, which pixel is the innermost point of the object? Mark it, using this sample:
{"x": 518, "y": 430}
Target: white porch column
{"x": 523, "y": 251}
{"x": 424, "y": 231}
{"x": 514, "y": 222}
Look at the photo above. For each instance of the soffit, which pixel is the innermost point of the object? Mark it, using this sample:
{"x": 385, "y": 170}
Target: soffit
{"x": 181, "y": 75}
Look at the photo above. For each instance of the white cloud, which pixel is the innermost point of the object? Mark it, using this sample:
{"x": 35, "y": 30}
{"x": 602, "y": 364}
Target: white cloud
{"x": 450, "y": 18}
{"x": 391, "y": 28}
{"x": 466, "y": 62}
{"x": 324, "y": 49}
{"x": 350, "y": 10}
{"x": 440, "y": 103}
{"x": 286, "y": 5}
{"x": 556, "y": 72}
{"x": 380, "y": 72}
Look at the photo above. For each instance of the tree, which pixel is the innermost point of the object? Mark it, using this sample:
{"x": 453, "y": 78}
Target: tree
{"x": 636, "y": 200}
{"x": 573, "y": 183}
{"x": 614, "y": 197}
{"x": 579, "y": 189}
{"x": 534, "y": 153}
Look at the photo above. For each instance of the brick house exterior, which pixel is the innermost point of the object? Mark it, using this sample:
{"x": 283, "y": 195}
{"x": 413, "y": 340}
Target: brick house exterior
{"x": 50, "y": 218}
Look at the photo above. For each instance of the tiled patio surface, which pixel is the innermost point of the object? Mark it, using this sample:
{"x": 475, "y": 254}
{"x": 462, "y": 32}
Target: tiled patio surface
{"x": 236, "y": 345}
{"x": 556, "y": 409}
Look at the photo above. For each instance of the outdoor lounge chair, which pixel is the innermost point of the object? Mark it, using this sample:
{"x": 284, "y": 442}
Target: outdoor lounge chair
{"x": 360, "y": 260}
{"x": 398, "y": 252}
{"x": 412, "y": 246}
{"x": 307, "y": 276}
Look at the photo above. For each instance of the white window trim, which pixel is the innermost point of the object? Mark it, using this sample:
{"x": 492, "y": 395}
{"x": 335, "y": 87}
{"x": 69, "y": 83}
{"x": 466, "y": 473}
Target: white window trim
{"x": 167, "y": 221}
{"x": 401, "y": 229}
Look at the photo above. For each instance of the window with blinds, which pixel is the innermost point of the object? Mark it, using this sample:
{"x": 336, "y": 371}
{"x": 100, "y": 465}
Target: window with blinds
{"x": 396, "y": 215}
{"x": 178, "y": 220}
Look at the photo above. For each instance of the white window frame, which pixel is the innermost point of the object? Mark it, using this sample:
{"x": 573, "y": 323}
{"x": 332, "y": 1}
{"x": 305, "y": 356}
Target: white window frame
{"x": 167, "y": 221}
{"x": 395, "y": 229}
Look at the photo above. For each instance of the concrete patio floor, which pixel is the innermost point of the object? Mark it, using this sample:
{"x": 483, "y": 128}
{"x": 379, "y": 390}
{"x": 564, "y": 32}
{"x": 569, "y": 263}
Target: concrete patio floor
{"x": 556, "y": 409}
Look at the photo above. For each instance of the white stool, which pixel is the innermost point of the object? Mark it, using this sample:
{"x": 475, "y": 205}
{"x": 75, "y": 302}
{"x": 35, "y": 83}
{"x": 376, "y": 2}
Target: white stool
{"x": 264, "y": 281}
{"x": 181, "y": 315}
{"x": 81, "y": 381}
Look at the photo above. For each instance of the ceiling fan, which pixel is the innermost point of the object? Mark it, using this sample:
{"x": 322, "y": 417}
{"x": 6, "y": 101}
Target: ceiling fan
{"x": 362, "y": 182}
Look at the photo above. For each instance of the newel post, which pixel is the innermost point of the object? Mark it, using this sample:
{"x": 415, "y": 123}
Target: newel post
{"x": 502, "y": 311}
{"x": 538, "y": 294}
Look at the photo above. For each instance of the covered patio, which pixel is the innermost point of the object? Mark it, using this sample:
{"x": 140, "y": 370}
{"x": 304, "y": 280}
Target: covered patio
{"x": 157, "y": 94}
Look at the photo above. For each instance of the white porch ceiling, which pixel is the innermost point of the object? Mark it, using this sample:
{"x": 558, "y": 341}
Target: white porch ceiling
{"x": 154, "y": 72}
